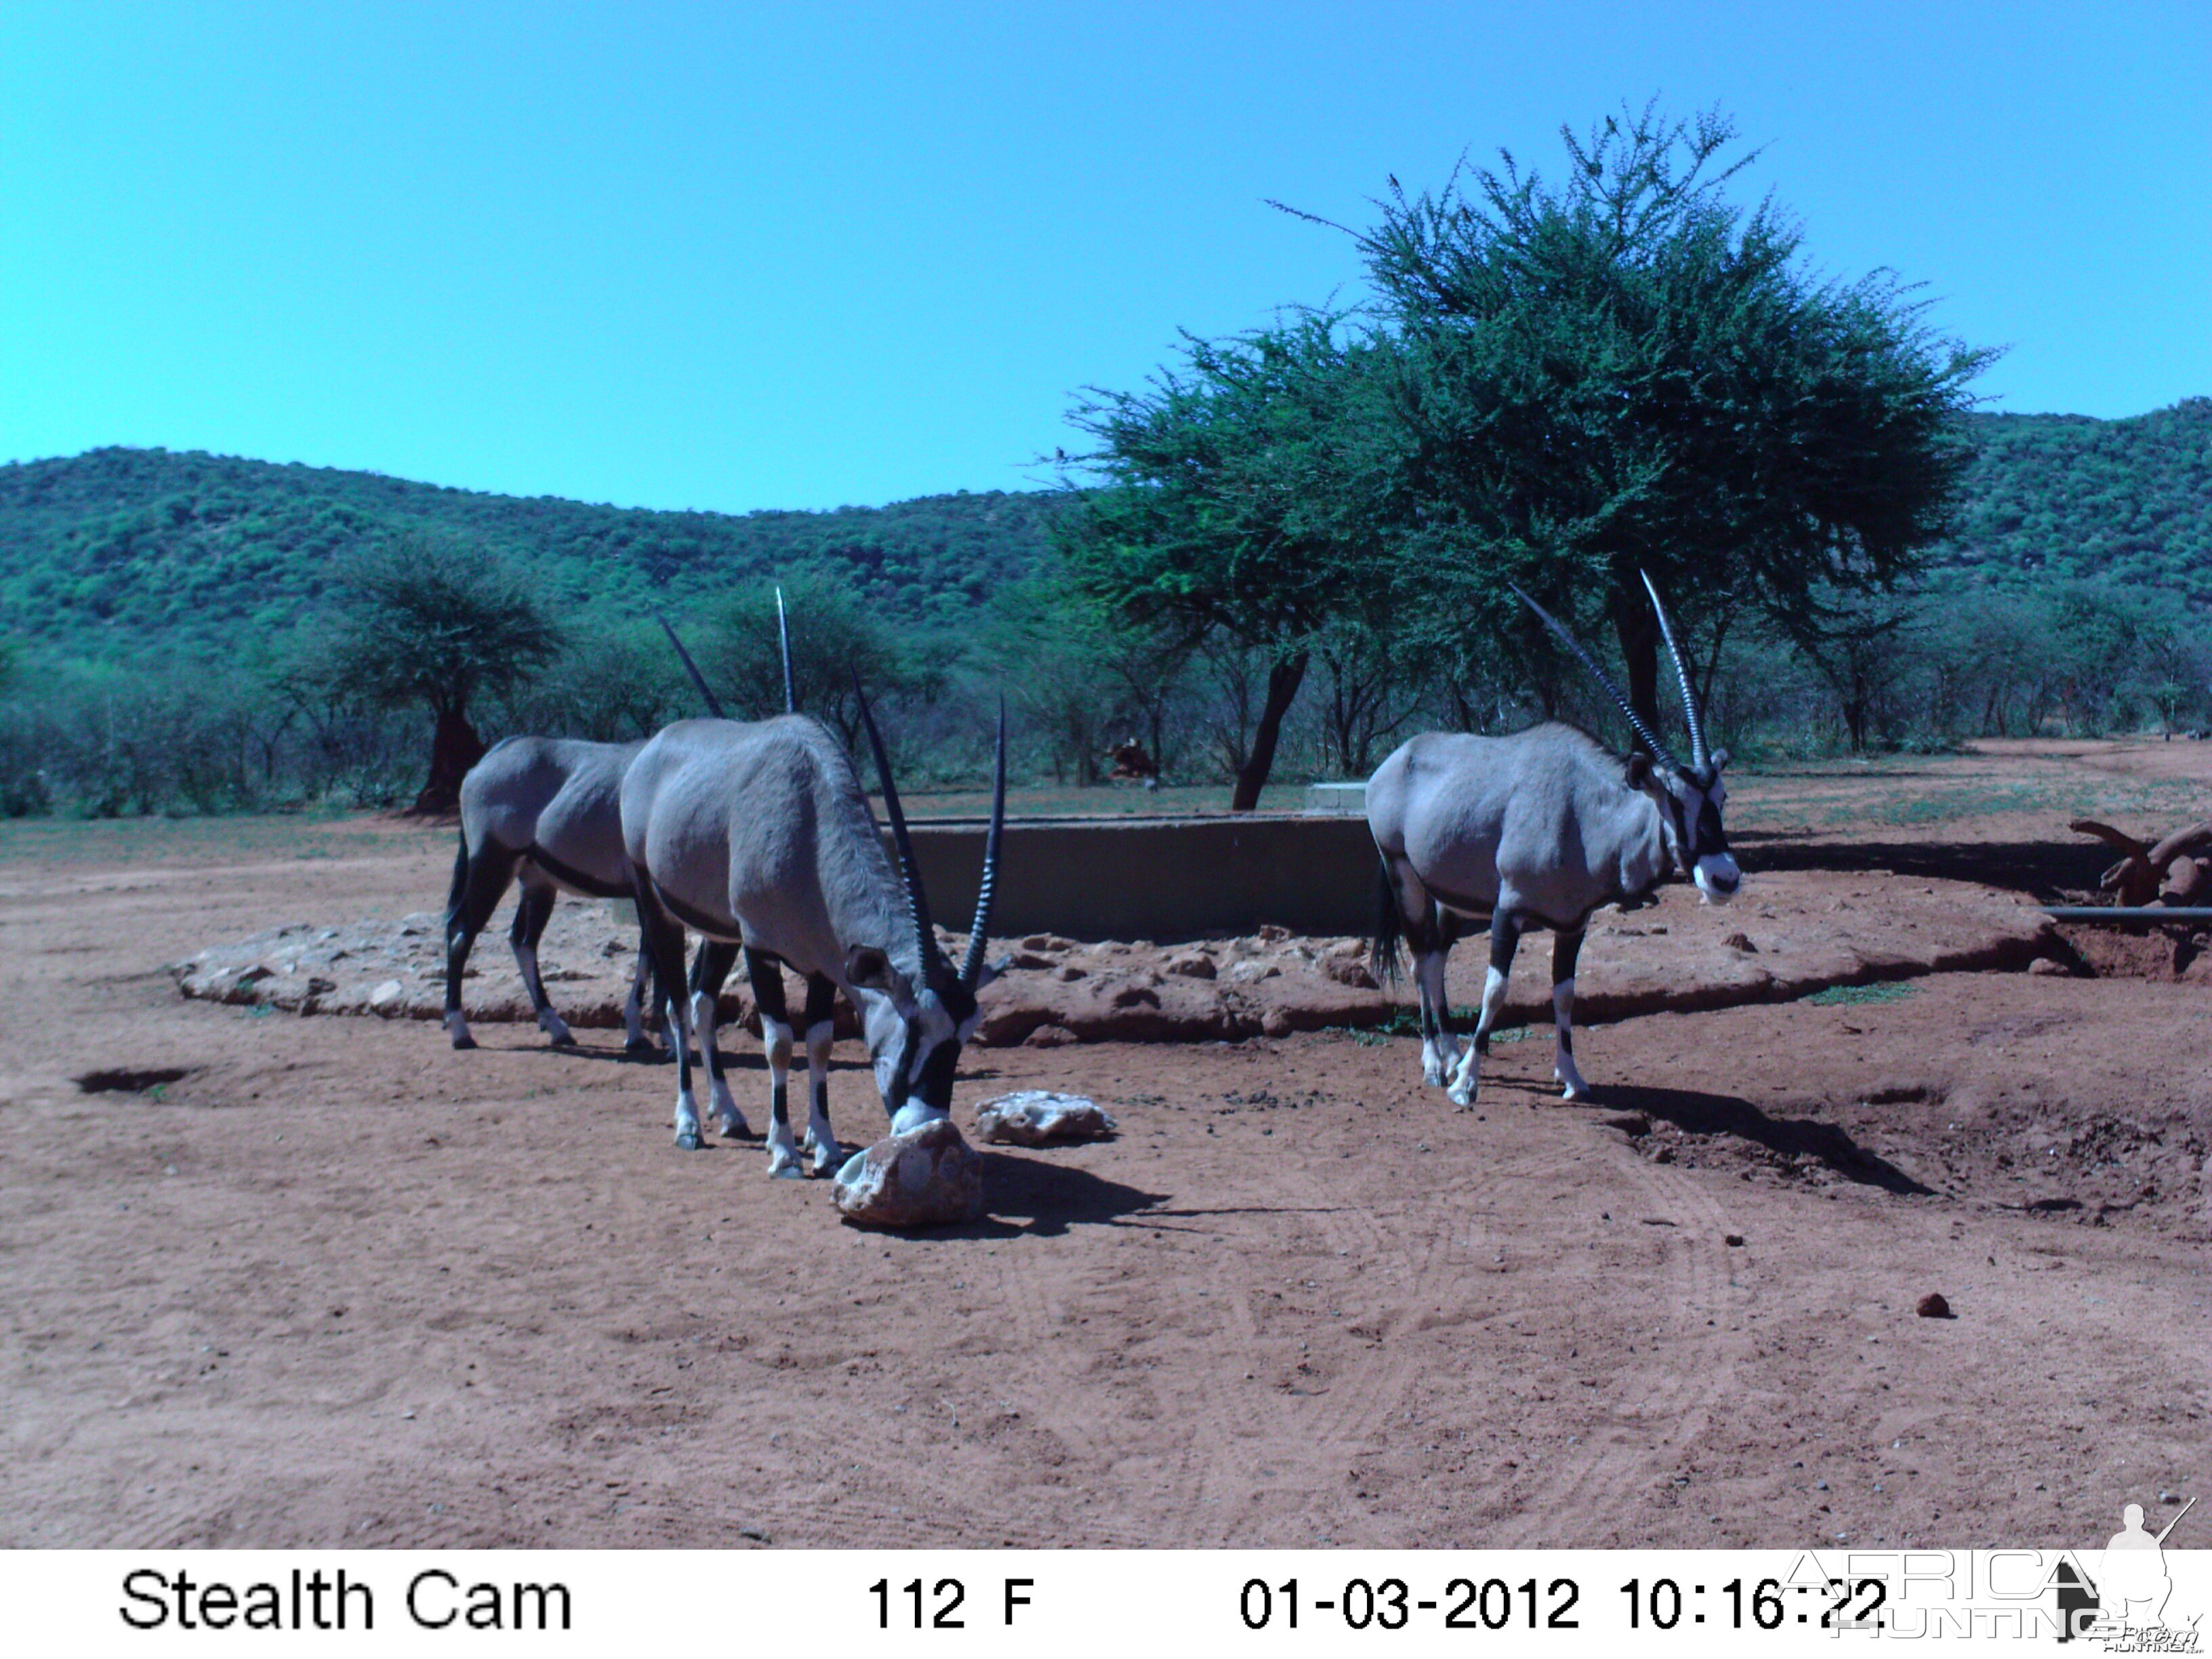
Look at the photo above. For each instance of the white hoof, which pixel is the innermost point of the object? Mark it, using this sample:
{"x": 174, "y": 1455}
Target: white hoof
{"x": 556, "y": 1027}
{"x": 725, "y": 1115}
{"x": 1462, "y": 1094}
{"x": 456, "y": 1026}
{"x": 822, "y": 1156}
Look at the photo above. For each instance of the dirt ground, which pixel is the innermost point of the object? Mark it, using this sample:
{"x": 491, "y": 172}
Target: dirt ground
{"x": 267, "y": 1279}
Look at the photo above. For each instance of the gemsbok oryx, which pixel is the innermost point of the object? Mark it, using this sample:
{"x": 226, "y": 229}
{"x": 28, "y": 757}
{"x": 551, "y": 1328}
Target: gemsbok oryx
{"x": 546, "y": 811}
{"x": 757, "y": 834}
{"x": 1535, "y": 830}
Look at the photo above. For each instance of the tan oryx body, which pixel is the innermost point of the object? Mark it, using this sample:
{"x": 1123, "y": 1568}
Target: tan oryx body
{"x": 758, "y": 834}
{"x": 1535, "y": 830}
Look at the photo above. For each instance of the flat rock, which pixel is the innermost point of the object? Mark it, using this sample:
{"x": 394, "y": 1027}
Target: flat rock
{"x": 926, "y": 1177}
{"x": 1041, "y": 1117}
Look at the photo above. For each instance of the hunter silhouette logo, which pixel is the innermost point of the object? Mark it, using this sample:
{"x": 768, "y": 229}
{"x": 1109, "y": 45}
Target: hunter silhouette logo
{"x": 2123, "y": 1606}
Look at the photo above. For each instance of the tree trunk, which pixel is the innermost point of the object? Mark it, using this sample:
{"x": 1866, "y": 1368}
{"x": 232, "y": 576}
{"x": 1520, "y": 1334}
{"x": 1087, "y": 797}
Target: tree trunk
{"x": 454, "y": 748}
{"x": 1283, "y": 681}
{"x": 1638, "y": 631}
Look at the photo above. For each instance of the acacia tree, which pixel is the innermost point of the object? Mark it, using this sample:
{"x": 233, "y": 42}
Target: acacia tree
{"x": 424, "y": 621}
{"x": 1230, "y": 502}
{"x": 1623, "y": 372}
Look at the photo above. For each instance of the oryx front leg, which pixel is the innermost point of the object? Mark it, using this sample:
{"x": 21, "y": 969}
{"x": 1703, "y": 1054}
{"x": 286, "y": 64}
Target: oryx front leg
{"x": 1565, "y": 947}
{"x": 822, "y": 1153}
{"x": 665, "y": 934}
{"x": 1504, "y": 936}
{"x": 708, "y": 971}
{"x": 767, "y": 975}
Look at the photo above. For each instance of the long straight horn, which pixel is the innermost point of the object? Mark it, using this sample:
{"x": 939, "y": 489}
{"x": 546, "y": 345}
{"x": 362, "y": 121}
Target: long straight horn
{"x": 783, "y": 635}
{"x": 917, "y": 901}
{"x": 1699, "y": 755}
{"x": 971, "y": 969}
{"x": 692, "y": 668}
{"x": 1650, "y": 741}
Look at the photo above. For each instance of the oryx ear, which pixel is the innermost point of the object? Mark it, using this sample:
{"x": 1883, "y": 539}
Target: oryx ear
{"x": 1638, "y": 770}
{"x": 870, "y": 968}
{"x": 1719, "y": 759}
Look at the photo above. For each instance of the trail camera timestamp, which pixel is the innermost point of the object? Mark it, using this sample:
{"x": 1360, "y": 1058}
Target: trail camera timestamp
{"x": 1463, "y": 1603}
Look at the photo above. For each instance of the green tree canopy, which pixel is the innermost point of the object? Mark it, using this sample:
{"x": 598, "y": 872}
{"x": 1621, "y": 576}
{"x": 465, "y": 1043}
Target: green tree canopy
{"x": 424, "y": 620}
{"x": 1236, "y": 496}
{"x": 1622, "y": 371}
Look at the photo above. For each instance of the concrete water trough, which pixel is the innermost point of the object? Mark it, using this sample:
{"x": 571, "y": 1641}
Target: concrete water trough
{"x": 1162, "y": 879}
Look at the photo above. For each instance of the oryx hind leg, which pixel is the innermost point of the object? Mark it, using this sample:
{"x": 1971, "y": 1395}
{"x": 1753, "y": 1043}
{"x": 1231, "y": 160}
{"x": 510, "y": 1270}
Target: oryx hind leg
{"x": 820, "y": 1145}
{"x": 636, "y": 1041}
{"x": 708, "y": 971}
{"x": 532, "y": 912}
{"x": 1504, "y": 938}
{"x": 1565, "y": 947}
{"x": 1429, "y": 931}
{"x": 479, "y": 883}
{"x": 767, "y": 974}
{"x": 664, "y": 937}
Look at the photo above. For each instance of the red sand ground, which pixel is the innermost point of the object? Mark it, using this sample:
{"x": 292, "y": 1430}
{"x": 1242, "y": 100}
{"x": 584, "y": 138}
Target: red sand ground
{"x": 339, "y": 1283}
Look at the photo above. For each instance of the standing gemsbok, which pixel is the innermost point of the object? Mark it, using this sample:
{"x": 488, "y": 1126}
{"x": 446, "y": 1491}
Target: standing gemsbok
{"x": 758, "y": 834}
{"x": 1536, "y": 830}
{"x": 546, "y": 812}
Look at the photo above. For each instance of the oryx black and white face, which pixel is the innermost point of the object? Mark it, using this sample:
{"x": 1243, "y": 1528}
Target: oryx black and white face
{"x": 1689, "y": 803}
{"x": 914, "y": 1038}
{"x": 1700, "y": 842}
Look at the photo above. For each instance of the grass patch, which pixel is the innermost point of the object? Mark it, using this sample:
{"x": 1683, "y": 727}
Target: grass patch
{"x": 1406, "y": 1022}
{"x": 1888, "y": 990}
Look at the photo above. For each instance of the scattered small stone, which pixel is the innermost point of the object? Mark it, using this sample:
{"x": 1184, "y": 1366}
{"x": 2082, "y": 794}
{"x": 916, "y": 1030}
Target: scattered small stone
{"x": 387, "y": 994}
{"x": 1050, "y": 1036}
{"x": 1740, "y": 942}
{"x": 1040, "y": 1117}
{"x": 1933, "y": 1306}
{"x": 1191, "y": 964}
{"x": 1734, "y": 1241}
{"x": 2049, "y": 968}
{"x": 753, "y": 1532}
{"x": 924, "y": 1178}
{"x": 1031, "y": 959}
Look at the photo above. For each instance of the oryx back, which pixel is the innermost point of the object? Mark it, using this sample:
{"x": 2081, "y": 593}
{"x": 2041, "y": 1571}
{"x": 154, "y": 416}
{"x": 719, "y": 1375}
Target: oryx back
{"x": 557, "y": 803}
{"x": 758, "y": 832}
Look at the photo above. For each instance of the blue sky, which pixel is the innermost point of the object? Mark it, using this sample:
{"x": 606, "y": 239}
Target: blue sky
{"x": 738, "y": 257}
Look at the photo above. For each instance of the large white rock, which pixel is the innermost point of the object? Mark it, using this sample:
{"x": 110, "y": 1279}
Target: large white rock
{"x": 925, "y": 1177}
{"x": 1038, "y": 1117}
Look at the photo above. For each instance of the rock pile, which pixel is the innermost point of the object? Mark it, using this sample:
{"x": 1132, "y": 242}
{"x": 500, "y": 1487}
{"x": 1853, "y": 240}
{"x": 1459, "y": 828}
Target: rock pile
{"x": 1790, "y": 934}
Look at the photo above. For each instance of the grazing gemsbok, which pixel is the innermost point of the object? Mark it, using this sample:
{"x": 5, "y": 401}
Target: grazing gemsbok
{"x": 1536, "y": 830}
{"x": 547, "y": 812}
{"x": 758, "y": 834}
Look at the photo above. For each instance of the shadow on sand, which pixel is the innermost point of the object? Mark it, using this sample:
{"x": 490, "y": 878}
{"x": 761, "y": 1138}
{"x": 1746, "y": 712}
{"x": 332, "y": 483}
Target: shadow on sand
{"x": 1699, "y": 1113}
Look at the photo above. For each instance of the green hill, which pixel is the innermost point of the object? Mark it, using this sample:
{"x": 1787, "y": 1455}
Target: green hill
{"x": 2128, "y": 501}
{"x": 104, "y": 554}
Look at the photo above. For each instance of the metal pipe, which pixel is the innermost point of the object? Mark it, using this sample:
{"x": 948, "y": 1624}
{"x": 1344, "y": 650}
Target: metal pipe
{"x": 2129, "y": 912}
